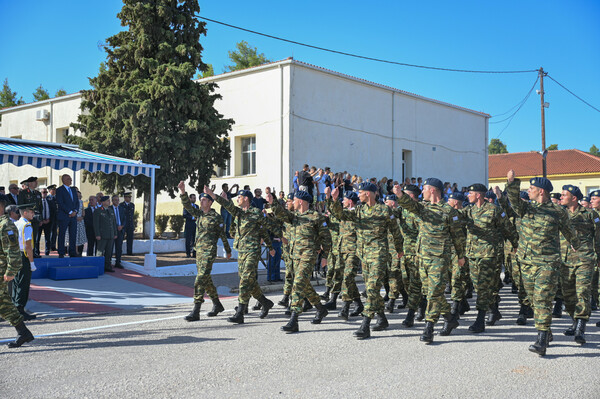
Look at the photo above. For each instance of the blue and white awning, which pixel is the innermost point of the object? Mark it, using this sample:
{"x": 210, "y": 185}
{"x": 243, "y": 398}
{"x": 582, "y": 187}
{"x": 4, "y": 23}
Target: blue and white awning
{"x": 61, "y": 156}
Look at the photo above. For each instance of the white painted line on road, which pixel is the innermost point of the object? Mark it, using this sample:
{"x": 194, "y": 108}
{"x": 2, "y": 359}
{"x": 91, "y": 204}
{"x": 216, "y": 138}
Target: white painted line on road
{"x": 3, "y": 341}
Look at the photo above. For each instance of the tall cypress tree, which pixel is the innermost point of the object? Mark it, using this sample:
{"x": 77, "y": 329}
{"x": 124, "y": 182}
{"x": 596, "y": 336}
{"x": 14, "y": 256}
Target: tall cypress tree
{"x": 144, "y": 104}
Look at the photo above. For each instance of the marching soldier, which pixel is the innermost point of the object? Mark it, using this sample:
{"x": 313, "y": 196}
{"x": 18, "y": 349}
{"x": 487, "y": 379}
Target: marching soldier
{"x": 539, "y": 249}
{"x": 209, "y": 229}
{"x": 334, "y": 270}
{"x": 460, "y": 275}
{"x": 285, "y": 253}
{"x": 105, "y": 228}
{"x": 595, "y": 204}
{"x": 394, "y": 270}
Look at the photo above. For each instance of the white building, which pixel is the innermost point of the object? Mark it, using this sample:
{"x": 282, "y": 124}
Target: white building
{"x": 288, "y": 113}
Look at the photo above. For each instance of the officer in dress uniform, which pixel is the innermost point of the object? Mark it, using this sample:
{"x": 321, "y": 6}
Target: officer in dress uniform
{"x": 128, "y": 209}
{"x": 105, "y": 227}
{"x": 30, "y": 195}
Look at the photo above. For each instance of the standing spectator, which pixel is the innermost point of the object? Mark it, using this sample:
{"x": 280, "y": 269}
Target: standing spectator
{"x": 258, "y": 201}
{"x": 282, "y": 200}
{"x": 105, "y": 227}
{"x": 30, "y": 195}
{"x": 54, "y": 212}
{"x": 13, "y": 196}
{"x": 275, "y": 230}
{"x": 22, "y": 281}
{"x": 81, "y": 238}
{"x": 88, "y": 220}
{"x": 321, "y": 184}
{"x": 228, "y": 195}
{"x": 420, "y": 183}
{"x": 99, "y": 199}
{"x": 128, "y": 209}
{"x": 190, "y": 228}
{"x": 305, "y": 180}
{"x": 2, "y": 190}
{"x": 120, "y": 221}
{"x": 48, "y": 216}
{"x": 295, "y": 181}
{"x": 68, "y": 205}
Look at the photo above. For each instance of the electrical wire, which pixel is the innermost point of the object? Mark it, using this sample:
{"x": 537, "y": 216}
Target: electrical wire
{"x": 519, "y": 105}
{"x": 575, "y": 95}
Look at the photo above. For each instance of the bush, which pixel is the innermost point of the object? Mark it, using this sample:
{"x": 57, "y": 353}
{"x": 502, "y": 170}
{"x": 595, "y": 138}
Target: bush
{"x": 161, "y": 223}
{"x": 176, "y": 222}
{"x": 136, "y": 220}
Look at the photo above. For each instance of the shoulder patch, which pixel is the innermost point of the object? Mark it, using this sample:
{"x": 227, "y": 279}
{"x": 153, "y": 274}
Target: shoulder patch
{"x": 391, "y": 216}
{"x": 455, "y": 218}
{"x": 324, "y": 224}
{"x": 597, "y": 220}
{"x": 10, "y": 232}
{"x": 503, "y": 214}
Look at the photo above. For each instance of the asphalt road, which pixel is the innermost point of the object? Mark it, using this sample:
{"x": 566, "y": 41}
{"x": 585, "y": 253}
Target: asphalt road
{"x": 153, "y": 352}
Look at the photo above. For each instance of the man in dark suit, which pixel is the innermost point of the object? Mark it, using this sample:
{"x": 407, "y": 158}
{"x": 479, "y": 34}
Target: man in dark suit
{"x": 68, "y": 203}
{"x": 13, "y": 194}
{"x": 128, "y": 209}
{"x": 190, "y": 228}
{"x": 88, "y": 220}
{"x": 120, "y": 220}
{"x": 48, "y": 214}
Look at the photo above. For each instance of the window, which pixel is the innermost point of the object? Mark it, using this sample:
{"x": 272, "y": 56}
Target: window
{"x": 249, "y": 155}
{"x": 222, "y": 172}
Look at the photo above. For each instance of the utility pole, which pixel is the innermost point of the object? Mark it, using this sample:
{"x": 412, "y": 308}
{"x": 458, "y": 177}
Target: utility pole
{"x": 544, "y": 152}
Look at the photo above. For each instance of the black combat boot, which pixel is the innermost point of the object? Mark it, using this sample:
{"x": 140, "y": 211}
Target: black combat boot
{"x": 292, "y": 325}
{"x": 345, "y": 311}
{"x": 332, "y": 303}
{"x": 358, "y": 308}
{"x": 571, "y": 330}
{"x": 427, "y": 336}
{"x": 26, "y": 316}
{"x": 494, "y": 315}
{"x": 257, "y": 306}
{"x": 195, "y": 313}
{"x": 421, "y": 311}
{"x": 409, "y": 321}
{"x": 24, "y": 336}
{"x": 580, "y": 331}
{"x": 266, "y": 305}
{"x": 464, "y": 307}
{"x": 364, "y": 294}
{"x": 238, "y": 317}
{"x": 557, "y": 312}
{"x": 325, "y": 295}
{"x": 217, "y": 308}
{"x": 479, "y": 325}
{"x": 598, "y": 324}
{"x": 389, "y": 307}
{"x": 469, "y": 293}
{"x": 514, "y": 288}
{"x": 522, "y": 318}
{"x": 285, "y": 301}
{"x": 404, "y": 299}
{"x": 448, "y": 289}
{"x": 541, "y": 344}
{"x": 245, "y": 310}
{"x": 307, "y": 306}
{"x": 288, "y": 311}
{"x": 451, "y": 320}
{"x": 529, "y": 312}
{"x": 363, "y": 331}
{"x": 382, "y": 322}
{"x": 321, "y": 313}
{"x": 386, "y": 297}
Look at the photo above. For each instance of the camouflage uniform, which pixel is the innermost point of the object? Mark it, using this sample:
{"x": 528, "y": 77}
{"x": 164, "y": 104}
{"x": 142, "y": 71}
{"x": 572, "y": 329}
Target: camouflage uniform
{"x": 372, "y": 224}
{"x": 487, "y": 226}
{"x": 308, "y": 231}
{"x": 460, "y": 275}
{"x": 577, "y": 267}
{"x": 335, "y": 270}
{"x": 289, "y": 266}
{"x": 209, "y": 228}
{"x": 539, "y": 250}
{"x": 10, "y": 264}
{"x": 440, "y": 228}
{"x": 394, "y": 268}
{"x": 29, "y": 196}
{"x": 248, "y": 231}
{"x": 410, "y": 231}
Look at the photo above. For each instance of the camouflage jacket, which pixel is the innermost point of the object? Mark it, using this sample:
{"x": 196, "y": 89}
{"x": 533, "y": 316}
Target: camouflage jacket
{"x": 439, "y": 228}
{"x": 334, "y": 230}
{"x": 308, "y": 233}
{"x": 540, "y": 226}
{"x": 10, "y": 256}
{"x": 409, "y": 225}
{"x": 248, "y": 230}
{"x": 487, "y": 226}
{"x": 510, "y": 212}
{"x": 372, "y": 224}
{"x": 586, "y": 223}
{"x": 209, "y": 228}
{"x": 346, "y": 240}
{"x": 286, "y": 232}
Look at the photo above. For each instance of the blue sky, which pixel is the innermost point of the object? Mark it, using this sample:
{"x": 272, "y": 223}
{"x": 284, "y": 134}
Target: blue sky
{"x": 56, "y": 44}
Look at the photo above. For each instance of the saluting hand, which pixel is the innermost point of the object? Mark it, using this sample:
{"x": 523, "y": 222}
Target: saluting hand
{"x": 498, "y": 192}
{"x": 327, "y": 192}
{"x": 270, "y": 198}
{"x": 208, "y": 191}
{"x": 398, "y": 190}
{"x": 8, "y": 278}
{"x": 335, "y": 193}
{"x": 181, "y": 187}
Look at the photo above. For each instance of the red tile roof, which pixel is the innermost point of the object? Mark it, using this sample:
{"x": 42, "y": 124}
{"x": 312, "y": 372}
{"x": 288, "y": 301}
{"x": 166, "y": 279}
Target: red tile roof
{"x": 559, "y": 162}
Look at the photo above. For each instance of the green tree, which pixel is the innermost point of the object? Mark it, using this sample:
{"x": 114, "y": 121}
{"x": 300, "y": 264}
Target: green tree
{"x": 594, "y": 150}
{"x": 40, "y": 94}
{"x": 552, "y": 147}
{"x": 210, "y": 71}
{"x": 8, "y": 98}
{"x": 497, "y": 147}
{"x": 144, "y": 104}
{"x": 244, "y": 57}
{"x": 60, "y": 92}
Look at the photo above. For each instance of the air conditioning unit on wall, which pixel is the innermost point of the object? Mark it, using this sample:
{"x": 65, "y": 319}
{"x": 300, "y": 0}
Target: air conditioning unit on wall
{"x": 42, "y": 115}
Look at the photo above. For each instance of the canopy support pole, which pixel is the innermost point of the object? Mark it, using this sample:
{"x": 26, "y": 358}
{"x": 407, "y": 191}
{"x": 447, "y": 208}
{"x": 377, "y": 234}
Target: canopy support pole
{"x": 150, "y": 258}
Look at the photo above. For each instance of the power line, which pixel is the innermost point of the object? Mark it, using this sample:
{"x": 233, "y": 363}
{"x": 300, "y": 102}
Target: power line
{"x": 575, "y": 95}
{"x": 519, "y": 105}
{"x": 357, "y": 55}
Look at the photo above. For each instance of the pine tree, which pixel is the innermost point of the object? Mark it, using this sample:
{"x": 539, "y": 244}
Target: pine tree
{"x": 144, "y": 104}
{"x": 40, "y": 94}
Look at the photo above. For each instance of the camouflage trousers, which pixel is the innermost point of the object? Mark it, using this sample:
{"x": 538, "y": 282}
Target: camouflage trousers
{"x": 414, "y": 281}
{"x": 376, "y": 266}
{"x": 8, "y": 311}
{"x": 302, "y": 287}
{"x": 576, "y": 283}
{"x": 289, "y": 274}
{"x": 460, "y": 279}
{"x": 518, "y": 279}
{"x": 248, "y": 272}
{"x": 394, "y": 276}
{"x": 335, "y": 273}
{"x": 498, "y": 273}
{"x": 540, "y": 280}
{"x": 349, "y": 262}
{"x": 483, "y": 274}
{"x": 434, "y": 274}
{"x": 595, "y": 285}
{"x": 204, "y": 283}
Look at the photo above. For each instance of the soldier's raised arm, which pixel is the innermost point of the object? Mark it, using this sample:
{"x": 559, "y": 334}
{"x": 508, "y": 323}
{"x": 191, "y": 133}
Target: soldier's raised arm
{"x": 224, "y": 202}
{"x": 280, "y": 212}
{"x": 222, "y": 235}
{"x": 185, "y": 201}
{"x": 513, "y": 188}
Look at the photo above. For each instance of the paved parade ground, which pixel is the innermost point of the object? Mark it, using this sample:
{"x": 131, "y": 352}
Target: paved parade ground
{"x": 151, "y": 351}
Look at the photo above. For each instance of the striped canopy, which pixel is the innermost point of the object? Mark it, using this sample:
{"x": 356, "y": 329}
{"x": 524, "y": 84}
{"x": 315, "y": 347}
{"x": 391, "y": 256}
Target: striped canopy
{"x": 61, "y": 156}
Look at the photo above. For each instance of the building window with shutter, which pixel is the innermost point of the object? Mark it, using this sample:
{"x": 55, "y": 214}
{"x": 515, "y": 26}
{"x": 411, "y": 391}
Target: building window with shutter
{"x": 249, "y": 155}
